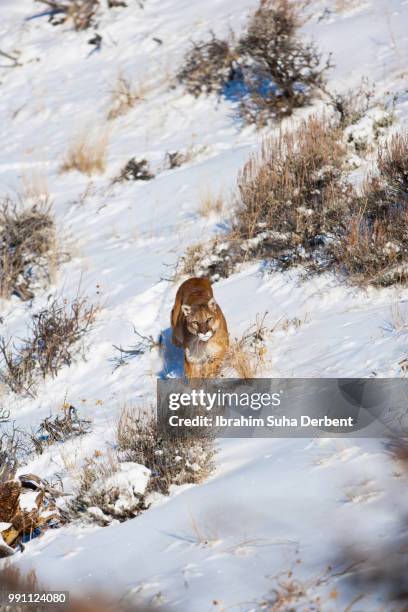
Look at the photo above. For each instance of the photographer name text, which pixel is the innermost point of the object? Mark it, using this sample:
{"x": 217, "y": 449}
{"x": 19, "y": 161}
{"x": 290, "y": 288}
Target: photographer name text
{"x": 269, "y": 421}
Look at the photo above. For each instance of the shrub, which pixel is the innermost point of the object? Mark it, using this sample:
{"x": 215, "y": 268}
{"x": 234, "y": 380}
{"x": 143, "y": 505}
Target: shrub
{"x": 292, "y": 200}
{"x": 27, "y": 249}
{"x": 375, "y": 245}
{"x": 135, "y": 170}
{"x": 269, "y": 70}
{"x": 87, "y": 154}
{"x": 80, "y": 12}
{"x": 109, "y": 490}
{"x": 208, "y": 65}
{"x": 55, "y": 330}
{"x": 283, "y": 72}
{"x": 171, "y": 460}
{"x": 118, "y": 484}
{"x": 352, "y": 105}
{"x": 59, "y": 429}
{"x": 294, "y": 185}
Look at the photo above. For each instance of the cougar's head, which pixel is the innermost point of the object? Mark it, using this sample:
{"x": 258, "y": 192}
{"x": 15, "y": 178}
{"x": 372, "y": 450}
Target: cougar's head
{"x": 202, "y": 320}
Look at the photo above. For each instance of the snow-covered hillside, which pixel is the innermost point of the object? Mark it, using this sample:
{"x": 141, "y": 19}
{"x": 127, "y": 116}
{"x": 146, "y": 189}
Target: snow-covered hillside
{"x": 271, "y": 505}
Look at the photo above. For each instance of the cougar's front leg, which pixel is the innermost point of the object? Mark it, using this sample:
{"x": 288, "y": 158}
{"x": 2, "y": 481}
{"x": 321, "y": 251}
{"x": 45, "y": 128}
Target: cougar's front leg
{"x": 192, "y": 370}
{"x": 211, "y": 368}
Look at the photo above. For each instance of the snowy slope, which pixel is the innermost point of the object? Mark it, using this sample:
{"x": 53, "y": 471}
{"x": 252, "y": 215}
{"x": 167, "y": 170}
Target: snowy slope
{"x": 270, "y": 502}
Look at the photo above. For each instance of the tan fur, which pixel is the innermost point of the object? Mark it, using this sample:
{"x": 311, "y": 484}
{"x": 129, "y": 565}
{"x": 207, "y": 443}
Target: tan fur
{"x": 199, "y": 327}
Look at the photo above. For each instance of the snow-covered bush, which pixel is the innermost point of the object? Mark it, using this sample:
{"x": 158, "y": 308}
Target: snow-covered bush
{"x": 28, "y": 249}
{"x": 109, "y": 489}
{"x": 353, "y": 104}
{"x": 292, "y": 200}
{"x": 281, "y": 72}
{"x": 269, "y": 70}
{"x": 375, "y": 245}
{"x": 146, "y": 462}
{"x": 171, "y": 460}
{"x": 55, "y": 331}
{"x": 207, "y": 66}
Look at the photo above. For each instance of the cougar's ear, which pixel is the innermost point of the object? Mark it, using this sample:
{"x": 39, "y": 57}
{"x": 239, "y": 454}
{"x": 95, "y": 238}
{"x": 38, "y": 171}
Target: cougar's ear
{"x": 212, "y": 304}
{"x": 186, "y": 309}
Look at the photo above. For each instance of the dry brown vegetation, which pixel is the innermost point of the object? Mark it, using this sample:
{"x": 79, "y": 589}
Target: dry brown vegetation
{"x": 375, "y": 244}
{"x": 246, "y": 355}
{"x": 210, "y": 204}
{"x": 135, "y": 170}
{"x": 291, "y": 199}
{"x": 80, "y": 12}
{"x": 171, "y": 460}
{"x": 28, "y": 248}
{"x": 59, "y": 428}
{"x": 269, "y": 69}
{"x": 295, "y": 185}
{"x": 52, "y": 343}
{"x": 87, "y": 153}
{"x": 140, "y": 440}
{"x": 207, "y": 66}
{"x": 294, "y": 205}
{"x": 123, "y": 98}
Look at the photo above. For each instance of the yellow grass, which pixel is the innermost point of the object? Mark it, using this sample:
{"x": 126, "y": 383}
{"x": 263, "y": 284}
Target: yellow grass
{"x": 87, "y": 153}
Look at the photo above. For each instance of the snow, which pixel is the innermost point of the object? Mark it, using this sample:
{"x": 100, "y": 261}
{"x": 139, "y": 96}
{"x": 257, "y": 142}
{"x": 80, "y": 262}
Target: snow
{"x": 271, "y": 505}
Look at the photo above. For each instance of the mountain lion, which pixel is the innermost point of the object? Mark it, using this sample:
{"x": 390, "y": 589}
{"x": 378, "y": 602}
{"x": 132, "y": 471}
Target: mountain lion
{"x": 200, "y": 328}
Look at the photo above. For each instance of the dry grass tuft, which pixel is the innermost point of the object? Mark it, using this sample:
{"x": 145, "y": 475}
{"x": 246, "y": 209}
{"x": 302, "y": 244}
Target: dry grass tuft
{"x": 123, "y": 98}
{"x": 87, "y": 153}
{"x": 28, "y": 248}
{"x": 55, "y": 331}
{"x": 246, "y": 355}
{"x": 210, "y": 204}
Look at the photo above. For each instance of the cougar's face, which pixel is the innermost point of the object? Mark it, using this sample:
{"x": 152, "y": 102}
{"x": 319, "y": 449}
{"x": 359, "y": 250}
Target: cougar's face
{"x": 201, "y": 320}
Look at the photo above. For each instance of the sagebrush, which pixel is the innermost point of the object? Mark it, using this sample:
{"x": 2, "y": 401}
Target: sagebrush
{"x": 51, "y": 344}
{"x": 292, "y": 199}
{"x": 375, "y": 244}
{"x": 28, "y": 249}
{"x": 269, "y": 70}
{"x": 104, "y": 492}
